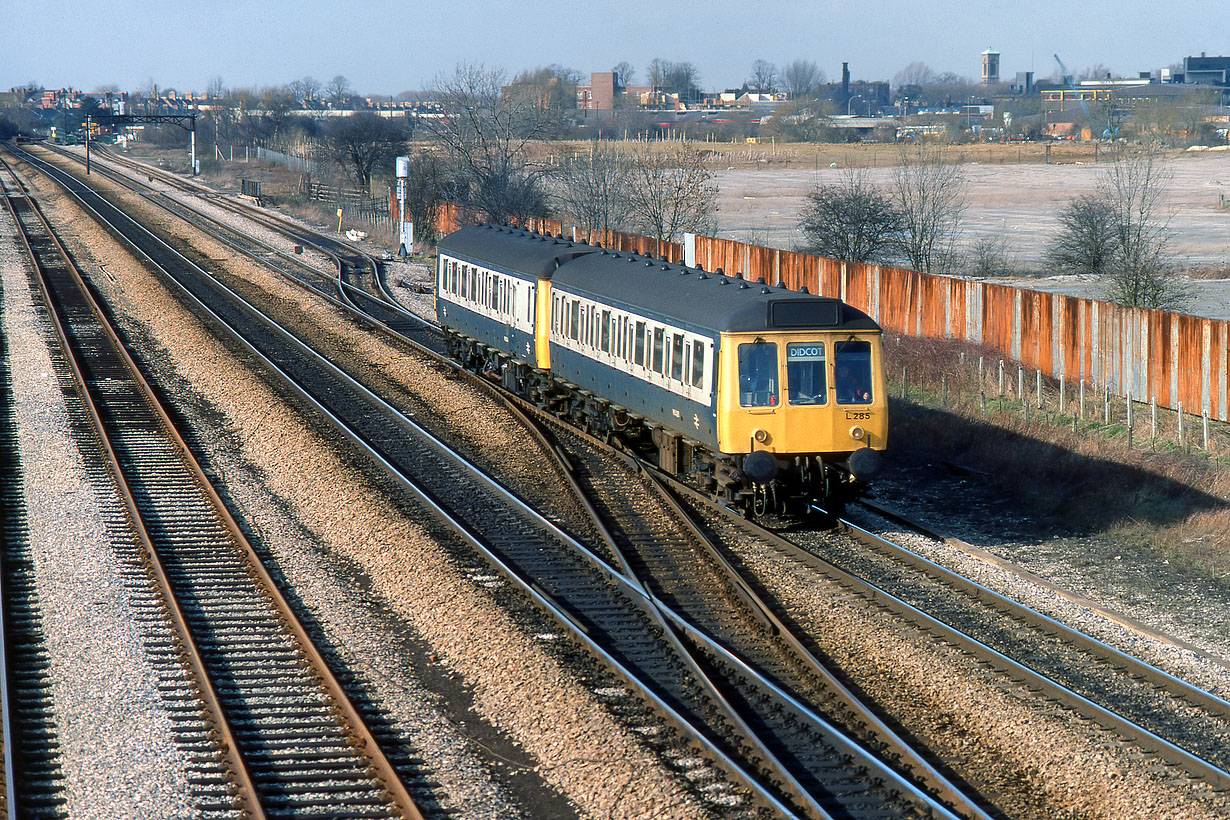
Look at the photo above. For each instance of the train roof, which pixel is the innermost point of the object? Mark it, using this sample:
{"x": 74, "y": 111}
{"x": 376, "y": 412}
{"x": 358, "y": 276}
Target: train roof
{"x": 513, "y": 249}
{"x": 652, "y": 287}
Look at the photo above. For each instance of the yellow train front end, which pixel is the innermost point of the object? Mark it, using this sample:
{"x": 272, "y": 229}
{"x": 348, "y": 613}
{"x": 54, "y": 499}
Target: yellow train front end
{"x": 804, "y": 414}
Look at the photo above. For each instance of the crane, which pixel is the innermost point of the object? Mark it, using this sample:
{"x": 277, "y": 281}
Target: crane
{"x": 1068, "y": 81}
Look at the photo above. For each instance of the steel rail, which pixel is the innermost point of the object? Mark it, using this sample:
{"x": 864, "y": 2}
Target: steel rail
{"x": 630, "y": 587}
{"x": 907, "y": 755}
{"x": 1116, "y": 657}
{"x": 1133, "y": 666}
{"x": 242, "y": 778}
{"x": 342, "y": 294}
{"x": 1129, "y": 730}
{"x": 770, "y": 765}
{"x": 7, "y": 711}
{"x": 559, "y": 612}
{"x": 395, "y": 789}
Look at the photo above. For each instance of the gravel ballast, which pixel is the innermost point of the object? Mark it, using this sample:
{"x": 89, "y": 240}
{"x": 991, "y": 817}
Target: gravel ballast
{"x": 117, "y": 755}
{"x": 374, "y": 579}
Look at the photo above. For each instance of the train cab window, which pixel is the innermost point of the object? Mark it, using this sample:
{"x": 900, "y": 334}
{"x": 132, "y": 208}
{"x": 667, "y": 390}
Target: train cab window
{"x": 698, "y": 363}
{"x": 853, "y": 372}
{"x": 659, "y": 350}
{"x": 806, "y": 377}
{"x": 758, "y": 374}
{"x": 638, "y": 351}
{"x": 677, "y": 357}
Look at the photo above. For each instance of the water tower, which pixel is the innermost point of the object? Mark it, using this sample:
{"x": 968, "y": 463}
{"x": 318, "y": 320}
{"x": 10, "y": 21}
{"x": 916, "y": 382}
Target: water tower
{"x": 990, "y": 67}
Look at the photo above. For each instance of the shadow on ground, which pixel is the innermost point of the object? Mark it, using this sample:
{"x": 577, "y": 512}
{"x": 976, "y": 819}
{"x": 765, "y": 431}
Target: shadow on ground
{"x": 1000, "y": 485}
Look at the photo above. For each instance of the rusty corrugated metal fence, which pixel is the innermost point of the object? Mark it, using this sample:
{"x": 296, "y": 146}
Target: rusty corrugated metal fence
{"x": 1178, "y": 359}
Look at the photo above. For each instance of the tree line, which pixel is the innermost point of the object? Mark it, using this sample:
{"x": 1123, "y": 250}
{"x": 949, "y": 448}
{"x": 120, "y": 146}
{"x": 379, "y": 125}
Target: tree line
{"x": 1117, "y": 236}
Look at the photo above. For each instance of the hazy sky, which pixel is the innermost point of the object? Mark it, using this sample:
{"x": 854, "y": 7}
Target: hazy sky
{"x": 385, "y": 47}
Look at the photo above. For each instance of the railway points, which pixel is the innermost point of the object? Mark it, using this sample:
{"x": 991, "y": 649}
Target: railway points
{"x": 477, "y": 448}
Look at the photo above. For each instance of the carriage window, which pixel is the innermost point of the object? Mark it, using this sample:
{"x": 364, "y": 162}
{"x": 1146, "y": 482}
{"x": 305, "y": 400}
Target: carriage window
{"x": 806, "y": 377}
{"x": 853, "y": 380}
{"x": 698, "y": 363}
{"x": 575, "y": 320}
{"x": 677, "y": 357}
{"x": 638, "y": 352}
{"x": 606, "y": 331}
{"x": 659, "y": 349}
{"x": 758, "y": 374}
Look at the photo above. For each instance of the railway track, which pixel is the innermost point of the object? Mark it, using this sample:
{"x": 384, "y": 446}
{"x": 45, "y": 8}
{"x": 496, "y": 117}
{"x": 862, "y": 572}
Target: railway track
{"x": 266, "y": 727}
{"x": 1181, "y": 723}
{"x": 1205, "y": 718}
{"x": 357, "y": 280}
{"x": 607, "y": 610}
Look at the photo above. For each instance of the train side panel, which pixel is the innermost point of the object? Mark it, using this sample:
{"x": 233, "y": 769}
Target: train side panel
{"x": 493, "y": 306}
{"x": 661, "y": 371}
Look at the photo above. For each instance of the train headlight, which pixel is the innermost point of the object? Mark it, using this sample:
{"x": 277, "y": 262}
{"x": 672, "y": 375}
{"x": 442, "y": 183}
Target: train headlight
{"x": 761, "y": 435}
{"x": 858, "y": 433}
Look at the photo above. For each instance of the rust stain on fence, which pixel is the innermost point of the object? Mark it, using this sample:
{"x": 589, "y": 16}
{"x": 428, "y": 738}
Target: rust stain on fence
{"x": 1143, "y": 353}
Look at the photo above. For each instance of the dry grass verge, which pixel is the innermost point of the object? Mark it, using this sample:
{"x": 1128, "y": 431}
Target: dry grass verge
{"x": 1082, "y": 478}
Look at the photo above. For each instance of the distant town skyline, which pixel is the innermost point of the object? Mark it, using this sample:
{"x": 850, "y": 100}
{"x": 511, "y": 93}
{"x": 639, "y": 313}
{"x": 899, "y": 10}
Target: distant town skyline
{"x": 384, "y": 48}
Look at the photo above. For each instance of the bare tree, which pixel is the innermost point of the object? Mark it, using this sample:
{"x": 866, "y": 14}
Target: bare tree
{"x": 337, "y": 90}
{"x": 363, "y": 142}
{"x": 426, "y": 188}
{"x": 763, "y": 79}
{"x": 625, "y": 74}
{"x": 657, "y": 71}
{"x": 851, "y": 220}
{"x": 554, "y": 90}
{"x": 305, "y": 88}
{"x": 216, "y": 89}
{"x": 680, "y": 78}
{"x": 1178, "y": 121}
{"x": 1097, "y": 71}
{"x": 804, "y": 120}
{"x": 802, "y": 79}
{"x": 485, "y": 135}
{"x": 1139, "y": 273}
{"x": 277, "y": 102}
{"x": 930, "y": 193}
{"x": 1087, "y": 237}
{"x": 672, "y": 190}
{"x": 988, "y": 256}
{"x": 593, "y": 188}
{"x": 916, "y": 73}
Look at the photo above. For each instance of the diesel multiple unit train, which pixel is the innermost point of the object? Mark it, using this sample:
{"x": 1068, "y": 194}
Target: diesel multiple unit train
{"x": 768, "y": 399}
